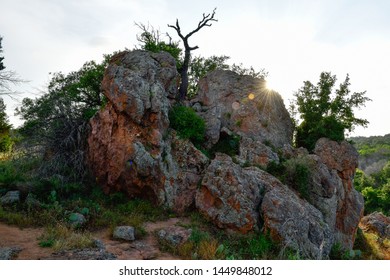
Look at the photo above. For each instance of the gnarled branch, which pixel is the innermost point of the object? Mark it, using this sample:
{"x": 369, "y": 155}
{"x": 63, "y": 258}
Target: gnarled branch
{"x": 206, "y": 21}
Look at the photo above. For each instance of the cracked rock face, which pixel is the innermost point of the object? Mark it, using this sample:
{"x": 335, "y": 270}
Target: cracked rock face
{"x": 130, "y": 147}
{"x": 243, "y": 105}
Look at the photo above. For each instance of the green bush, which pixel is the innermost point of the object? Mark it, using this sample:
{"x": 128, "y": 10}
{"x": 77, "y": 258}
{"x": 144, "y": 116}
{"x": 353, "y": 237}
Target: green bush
{"x": 187, "y": 123}
{"x": 298, "y": 175}
{"x": 229, "y": 144}
{"x": 6, "y": 143}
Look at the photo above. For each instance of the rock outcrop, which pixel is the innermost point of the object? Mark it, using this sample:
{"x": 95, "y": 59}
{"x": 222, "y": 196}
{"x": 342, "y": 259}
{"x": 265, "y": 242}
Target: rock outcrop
{"x": 342, "y": 159}
{"x": 130, "y": 147}
{"x": 245, "y": 106}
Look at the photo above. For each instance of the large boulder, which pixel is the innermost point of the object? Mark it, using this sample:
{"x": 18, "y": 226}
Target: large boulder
{"x": 130, "y": 147}
{"x": 229, "y": 195}
{"x": 245, "y": 106}
{"x": 296, "y": 223}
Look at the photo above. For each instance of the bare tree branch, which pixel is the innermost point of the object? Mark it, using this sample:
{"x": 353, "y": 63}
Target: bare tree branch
{"x": 7, "y": 80}
{"x": 206, "y": 21}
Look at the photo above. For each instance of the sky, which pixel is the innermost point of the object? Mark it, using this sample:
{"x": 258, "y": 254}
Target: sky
{"x": 293, "y": 40}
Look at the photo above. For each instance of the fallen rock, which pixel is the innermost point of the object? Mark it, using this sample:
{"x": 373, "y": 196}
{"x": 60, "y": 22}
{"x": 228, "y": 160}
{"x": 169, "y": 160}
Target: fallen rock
{"x": 9, "y": 253}
{"x": 11, "y": 197}
{"x": 245, "y": 106}
{"x": 124, "y": 233}
{"x": 174, "y": 235}
{"x": 376, "y": 222}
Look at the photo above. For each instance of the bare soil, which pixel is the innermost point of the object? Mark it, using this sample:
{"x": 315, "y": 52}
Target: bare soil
{"x": 147, "y": 248}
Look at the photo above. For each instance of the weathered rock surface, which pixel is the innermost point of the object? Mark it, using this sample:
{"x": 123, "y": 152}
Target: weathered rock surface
{"x": 9, "y": 253}
{"x": 130, "y": 148}
{"x": 174, "y": 235}
{"x": 82, "y": 254}
{"x": 229, "y": 195}
{"x": 243, "y": 105}
{"x": 376, "y": 222}
{"x": 124, "y": 233}
{"x": 10, "y": 197}
{"x": 342, "y": 158}
{"x": 296, "y": 223}
{"x": 255, "y": 153}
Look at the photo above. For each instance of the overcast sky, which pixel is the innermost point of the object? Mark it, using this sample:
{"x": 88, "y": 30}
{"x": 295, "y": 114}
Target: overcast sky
{"x": 293, "y": 40}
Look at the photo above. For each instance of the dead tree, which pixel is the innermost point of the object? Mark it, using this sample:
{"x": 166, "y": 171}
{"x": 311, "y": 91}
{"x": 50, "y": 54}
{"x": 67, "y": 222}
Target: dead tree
{"x": 206, "y": 21}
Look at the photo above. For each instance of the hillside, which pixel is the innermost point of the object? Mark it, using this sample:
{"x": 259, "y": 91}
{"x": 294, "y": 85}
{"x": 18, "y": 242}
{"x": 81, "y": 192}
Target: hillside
{"x": 374, "y": 152}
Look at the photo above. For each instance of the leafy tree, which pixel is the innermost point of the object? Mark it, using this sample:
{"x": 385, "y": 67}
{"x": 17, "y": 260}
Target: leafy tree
{"x": 206, "y": 21}
{"x": 6, "y": 141}
{"x": 327, "y": 113}
{"x": 56, "y": 123}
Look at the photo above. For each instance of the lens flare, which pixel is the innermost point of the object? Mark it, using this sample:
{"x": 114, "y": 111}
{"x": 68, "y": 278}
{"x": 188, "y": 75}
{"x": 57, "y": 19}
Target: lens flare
{"x": 251, "y": 96}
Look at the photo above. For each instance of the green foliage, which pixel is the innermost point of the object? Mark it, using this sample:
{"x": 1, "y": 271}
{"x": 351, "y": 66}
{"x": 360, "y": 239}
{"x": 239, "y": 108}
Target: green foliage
{"x": 187, "y": 123}
{"x": 227, "y": 144}
{"x": 55, "y": 123}
{"x": 295, "y": 172}
{"x": 298, "y": 175}
{"x": 6, "y": 141}
{"x": 375, "y": 190}
{"x": 242, "y": 70}
{"x": 200, "y": 66}
{"x": 326, "y": 113}
{"x": 150, "y": 40}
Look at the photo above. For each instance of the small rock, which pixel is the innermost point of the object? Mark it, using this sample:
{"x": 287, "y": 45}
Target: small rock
{"x": 174, "y": 235}
{"x": 99, "y": 244}
{"x": 8, "y": 253}
{"x": 124, "y": 232}
{"x": 82, "y": 254}
{"x": 10, "y": 197}
{"x": 77, "y": 219}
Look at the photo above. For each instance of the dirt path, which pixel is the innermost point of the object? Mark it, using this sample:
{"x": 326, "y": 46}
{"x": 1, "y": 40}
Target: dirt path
{"x": 25, "y": 240}
{"x": 147, "y": 248}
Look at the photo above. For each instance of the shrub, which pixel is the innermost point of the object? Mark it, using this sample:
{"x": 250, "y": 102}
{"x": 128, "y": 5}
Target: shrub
{"x": 298, "y": 175}
{"x": 187, "y": 123}
{"x": 228, "y": 144}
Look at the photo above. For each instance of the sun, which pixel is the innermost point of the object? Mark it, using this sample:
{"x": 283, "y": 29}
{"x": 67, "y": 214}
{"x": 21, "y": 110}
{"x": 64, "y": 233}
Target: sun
{"x": 270, "y": 84}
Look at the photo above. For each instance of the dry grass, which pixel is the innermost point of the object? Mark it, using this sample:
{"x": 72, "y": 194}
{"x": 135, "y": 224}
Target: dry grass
{"x": 61, "y": 237}
{"x": 208, "y": 249}
{"x": 380, "y": 248}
